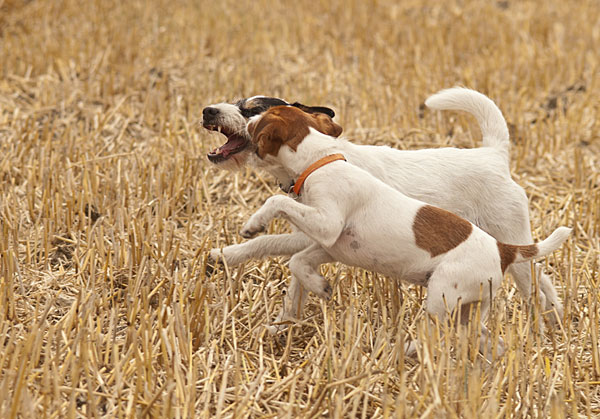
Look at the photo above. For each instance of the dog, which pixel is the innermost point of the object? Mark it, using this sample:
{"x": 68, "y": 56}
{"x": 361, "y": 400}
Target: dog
{"x": 231, "y": 119}
{"x": 355, "y": 218}
{"x": 473, "y": 183}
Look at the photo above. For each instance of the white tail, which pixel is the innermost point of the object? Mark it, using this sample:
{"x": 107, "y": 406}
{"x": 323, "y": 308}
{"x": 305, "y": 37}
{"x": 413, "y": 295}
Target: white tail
{"x": 511, "y": 253}
{"x": 549, "y": 245}
{"x": 491, "y": 122}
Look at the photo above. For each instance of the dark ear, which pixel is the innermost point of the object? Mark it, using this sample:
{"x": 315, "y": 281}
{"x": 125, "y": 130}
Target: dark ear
{"x": 314, "y": 109}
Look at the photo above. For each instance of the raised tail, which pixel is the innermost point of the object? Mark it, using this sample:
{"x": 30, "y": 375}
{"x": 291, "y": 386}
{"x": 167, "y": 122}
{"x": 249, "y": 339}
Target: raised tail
{"x": 510, "y": 253}
{"x": 491, "y": 122}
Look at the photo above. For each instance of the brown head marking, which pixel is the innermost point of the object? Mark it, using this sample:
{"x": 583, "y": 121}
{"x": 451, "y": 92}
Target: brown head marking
{"x": 287, "y": 125}
{"x": 438, "y": 231}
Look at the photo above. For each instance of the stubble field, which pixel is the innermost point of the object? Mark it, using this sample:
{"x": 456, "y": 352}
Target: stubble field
{"x": 108, "y": 207}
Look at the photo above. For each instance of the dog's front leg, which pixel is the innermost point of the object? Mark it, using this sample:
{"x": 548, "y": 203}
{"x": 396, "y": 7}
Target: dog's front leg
{"x": 259, "y": 220}
{"x": 324, "y": 224}
{"x": 263, "y": 246}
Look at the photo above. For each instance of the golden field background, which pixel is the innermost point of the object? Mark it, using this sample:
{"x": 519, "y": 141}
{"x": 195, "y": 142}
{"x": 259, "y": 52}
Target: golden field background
{"x": 108, "y": 207}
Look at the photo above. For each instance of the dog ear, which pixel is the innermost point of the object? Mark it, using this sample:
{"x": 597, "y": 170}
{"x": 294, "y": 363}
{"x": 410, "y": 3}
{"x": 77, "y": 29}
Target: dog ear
{"x": 268, "y": 135}
{"x": 263, "y": 138}
{"x": 314, "y": 109}
{"x": 326, "y": 125}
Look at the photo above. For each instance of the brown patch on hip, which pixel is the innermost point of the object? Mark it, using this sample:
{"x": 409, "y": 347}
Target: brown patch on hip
{"x": 438, "y": 231}
{"x": 508, "y": 253}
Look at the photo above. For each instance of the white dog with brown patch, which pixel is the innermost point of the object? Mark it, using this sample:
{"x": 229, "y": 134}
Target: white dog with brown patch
{"x": 356, "y": 219}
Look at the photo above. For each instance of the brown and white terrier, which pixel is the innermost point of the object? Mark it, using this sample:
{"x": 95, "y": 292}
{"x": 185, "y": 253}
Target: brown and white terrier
{"x": 355, "y": 218}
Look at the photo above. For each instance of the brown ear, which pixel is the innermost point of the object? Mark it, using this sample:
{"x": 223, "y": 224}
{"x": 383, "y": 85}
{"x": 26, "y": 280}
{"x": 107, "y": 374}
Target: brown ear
{"x": 268, "y": 134}
{"x": 265, "y": 139}
{"x": 325, "y": 124}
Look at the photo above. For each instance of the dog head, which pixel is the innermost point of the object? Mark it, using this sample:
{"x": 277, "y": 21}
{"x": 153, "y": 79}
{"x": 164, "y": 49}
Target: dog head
{"x": 287, "y": 125}
{"x": 231, "y": 119}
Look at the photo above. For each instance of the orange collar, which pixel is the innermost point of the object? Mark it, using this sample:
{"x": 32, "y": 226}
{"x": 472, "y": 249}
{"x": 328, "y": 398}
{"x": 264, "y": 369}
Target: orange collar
{"x": 316, "y": 165}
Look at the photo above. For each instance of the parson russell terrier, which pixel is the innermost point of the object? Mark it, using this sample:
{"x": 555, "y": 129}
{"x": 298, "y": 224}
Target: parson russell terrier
{"x": 473, "y": 183}
{"x": 356, "y": 219}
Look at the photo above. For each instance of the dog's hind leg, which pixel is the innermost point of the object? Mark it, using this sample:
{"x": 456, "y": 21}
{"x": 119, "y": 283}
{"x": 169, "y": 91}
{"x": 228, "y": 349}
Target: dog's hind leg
{"x": 305, "y": 267}
{"x": 443, "y": 299}
{"x": 292, "y": 308}
{"x": 514, "y": 228}
{"x": 305, "y": 271}
{"x": 547, "y": 296}
{"x": 468, "y": 315}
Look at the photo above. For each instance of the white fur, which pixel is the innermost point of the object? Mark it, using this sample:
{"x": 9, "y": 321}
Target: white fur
{"x": 490, "y": 119}
{"x": 473, "y": 183}
{"x": 355, "y": 218}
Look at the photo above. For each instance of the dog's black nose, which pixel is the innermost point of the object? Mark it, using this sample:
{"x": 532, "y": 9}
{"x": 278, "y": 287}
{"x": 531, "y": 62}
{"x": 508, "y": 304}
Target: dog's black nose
{"x": 210, "y": 111}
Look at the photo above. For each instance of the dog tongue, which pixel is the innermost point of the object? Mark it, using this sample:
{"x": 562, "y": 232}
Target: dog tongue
{"x": 232, "y": 144}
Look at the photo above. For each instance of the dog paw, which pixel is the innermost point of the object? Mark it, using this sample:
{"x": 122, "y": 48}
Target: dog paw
{"x": 276, "y": 329}
{"x": 215, "y": 254}
{"x": 213, "y": 261}
{"x": 326, "y": 291}
{"x": 252, "y": 228}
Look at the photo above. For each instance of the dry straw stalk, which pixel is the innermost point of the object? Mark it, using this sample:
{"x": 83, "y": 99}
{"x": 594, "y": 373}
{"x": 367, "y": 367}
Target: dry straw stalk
{"x": 108, "y": 207}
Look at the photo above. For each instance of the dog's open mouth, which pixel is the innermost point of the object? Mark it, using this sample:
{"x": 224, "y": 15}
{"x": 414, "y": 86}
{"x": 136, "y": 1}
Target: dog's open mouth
{"x": 235, "y": 143}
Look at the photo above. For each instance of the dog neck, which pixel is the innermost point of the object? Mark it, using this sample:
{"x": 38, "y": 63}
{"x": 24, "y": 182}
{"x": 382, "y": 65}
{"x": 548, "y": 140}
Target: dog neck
{"x": 315, "y": 166}
{"x": 312, "y": 148}
{"x": 271, "y": 165}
